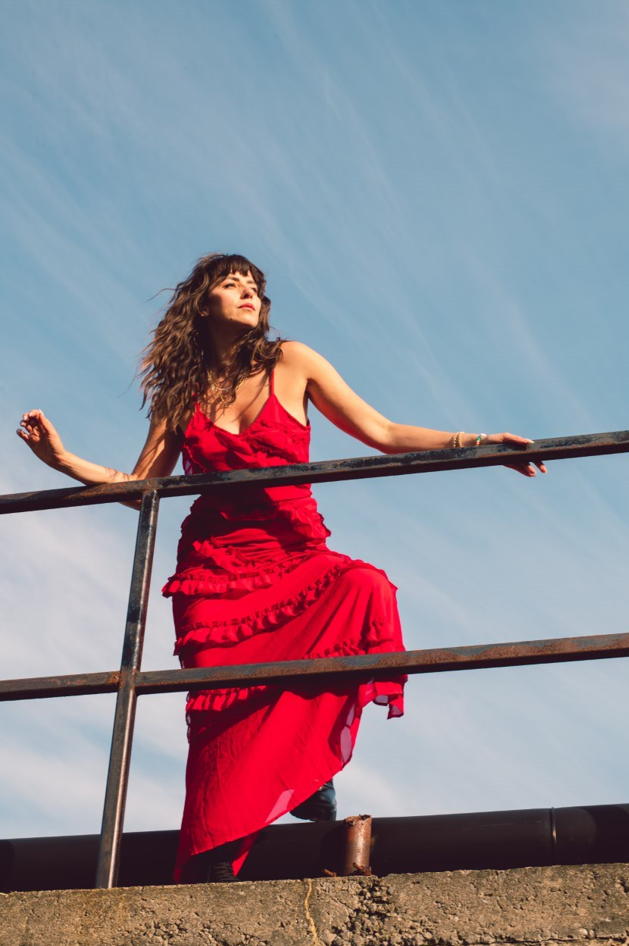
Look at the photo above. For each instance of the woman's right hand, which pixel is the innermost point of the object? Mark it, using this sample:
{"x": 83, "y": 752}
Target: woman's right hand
{"x": 42, "y": 438}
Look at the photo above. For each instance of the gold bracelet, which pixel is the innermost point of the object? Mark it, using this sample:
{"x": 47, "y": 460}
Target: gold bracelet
{"x": 456, "y": 440}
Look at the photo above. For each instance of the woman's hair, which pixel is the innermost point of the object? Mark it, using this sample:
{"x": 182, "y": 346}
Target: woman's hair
{"x": 175, "y": 365}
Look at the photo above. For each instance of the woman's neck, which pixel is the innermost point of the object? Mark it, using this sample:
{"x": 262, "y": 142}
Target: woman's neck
{"x": 221, "y": 345}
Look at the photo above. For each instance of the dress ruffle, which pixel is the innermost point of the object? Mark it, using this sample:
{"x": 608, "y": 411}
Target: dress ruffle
{"x": 227, "y": 579}
{"x": 213, "y": 701}
{"x": 232, "y": 560}
{"x": 374, "y": 641}
{"x": 230, "y": 632}
{"x": 202, "y": 583}
{"x": 268, "y": 618}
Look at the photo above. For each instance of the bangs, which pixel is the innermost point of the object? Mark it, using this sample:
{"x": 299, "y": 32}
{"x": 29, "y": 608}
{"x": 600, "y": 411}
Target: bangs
{"x": 233, "y": 263}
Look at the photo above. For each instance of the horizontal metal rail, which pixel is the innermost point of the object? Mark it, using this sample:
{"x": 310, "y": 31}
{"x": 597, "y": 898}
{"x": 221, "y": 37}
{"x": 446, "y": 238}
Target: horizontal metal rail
{"x": 328, "y": 471}
{"x": 436, "y": 660}
{"x": 71, "y": 684}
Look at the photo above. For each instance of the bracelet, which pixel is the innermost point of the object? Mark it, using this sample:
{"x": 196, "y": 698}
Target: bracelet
{"x": 456, "y": 440}
{"x": 479, "y": 438}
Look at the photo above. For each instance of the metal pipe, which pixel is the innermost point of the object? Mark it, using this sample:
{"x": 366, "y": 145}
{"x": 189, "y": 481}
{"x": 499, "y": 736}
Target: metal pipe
{"x": 496, "y": 840}
{"x": 124, "y": 719}
{"x": 379, "y": 666}
{"x": 71, "y": 684}
{"x": 327, "y": 471}
{"x": 357, "y": 845}
{"x": 302, "y": 672}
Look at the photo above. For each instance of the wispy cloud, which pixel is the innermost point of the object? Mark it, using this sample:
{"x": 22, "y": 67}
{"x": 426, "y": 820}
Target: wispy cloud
{"x": 587, "y": 67}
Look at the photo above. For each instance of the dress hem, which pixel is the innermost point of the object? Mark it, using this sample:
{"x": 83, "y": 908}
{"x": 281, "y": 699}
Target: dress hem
{"x": 368, "y": 693}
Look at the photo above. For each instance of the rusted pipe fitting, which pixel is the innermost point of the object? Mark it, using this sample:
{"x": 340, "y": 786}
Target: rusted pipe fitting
{"x": 357, "y": 845}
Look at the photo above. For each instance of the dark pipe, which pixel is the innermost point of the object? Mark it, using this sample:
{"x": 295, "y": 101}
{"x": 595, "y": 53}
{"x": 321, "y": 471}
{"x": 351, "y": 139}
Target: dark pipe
{"x": 483, "y": 840}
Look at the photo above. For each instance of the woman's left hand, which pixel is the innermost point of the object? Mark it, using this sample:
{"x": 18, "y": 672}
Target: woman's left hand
{"x": 526, "y": 469}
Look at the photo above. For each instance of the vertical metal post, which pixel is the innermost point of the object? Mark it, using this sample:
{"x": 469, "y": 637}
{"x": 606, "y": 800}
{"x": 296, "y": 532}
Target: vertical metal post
{"x": 122, "y": 737}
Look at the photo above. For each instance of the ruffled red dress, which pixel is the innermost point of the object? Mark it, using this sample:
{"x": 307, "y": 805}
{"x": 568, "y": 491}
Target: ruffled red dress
{"x": 256, "y": 582}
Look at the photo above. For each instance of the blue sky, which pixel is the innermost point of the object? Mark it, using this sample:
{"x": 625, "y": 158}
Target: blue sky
{"x": 437, "y": 192}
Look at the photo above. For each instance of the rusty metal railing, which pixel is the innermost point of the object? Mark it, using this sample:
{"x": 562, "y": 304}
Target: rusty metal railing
{"x": 129, "y": 681}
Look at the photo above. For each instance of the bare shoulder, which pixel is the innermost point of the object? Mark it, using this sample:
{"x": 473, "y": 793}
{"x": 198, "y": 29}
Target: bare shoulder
{"x": 296, "y": 352}
{"x": 332, "y": 396}
{"x": 301, "y": 359}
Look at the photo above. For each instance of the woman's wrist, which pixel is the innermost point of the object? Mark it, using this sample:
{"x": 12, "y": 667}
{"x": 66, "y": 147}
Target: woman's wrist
{"x": 463, "y": 439}
{"x": 62, "y": 462}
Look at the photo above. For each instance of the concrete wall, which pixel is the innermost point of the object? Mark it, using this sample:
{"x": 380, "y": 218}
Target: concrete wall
{"x": 551, "y": 905}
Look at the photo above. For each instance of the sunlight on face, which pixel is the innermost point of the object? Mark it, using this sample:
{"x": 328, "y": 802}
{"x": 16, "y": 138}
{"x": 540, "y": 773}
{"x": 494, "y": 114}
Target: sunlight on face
{"x": 235, "y": 299}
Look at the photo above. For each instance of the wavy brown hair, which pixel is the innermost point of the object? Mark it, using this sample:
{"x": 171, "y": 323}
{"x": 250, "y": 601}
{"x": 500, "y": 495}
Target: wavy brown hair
{"x": 175, "y": 365}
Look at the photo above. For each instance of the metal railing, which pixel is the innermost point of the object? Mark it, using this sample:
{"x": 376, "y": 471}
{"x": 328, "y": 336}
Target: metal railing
{"x": 129, "y": 681}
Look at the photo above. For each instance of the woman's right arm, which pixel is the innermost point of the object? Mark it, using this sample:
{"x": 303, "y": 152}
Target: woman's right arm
{"x": 158, "y": 457}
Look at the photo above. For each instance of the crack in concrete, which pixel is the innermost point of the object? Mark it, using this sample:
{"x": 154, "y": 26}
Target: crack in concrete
{"x": 311, "y": 923}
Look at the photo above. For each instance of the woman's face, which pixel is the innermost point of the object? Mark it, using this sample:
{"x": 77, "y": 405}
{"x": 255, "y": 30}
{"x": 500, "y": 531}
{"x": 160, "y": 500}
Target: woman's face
{"x": 234, "y": 301}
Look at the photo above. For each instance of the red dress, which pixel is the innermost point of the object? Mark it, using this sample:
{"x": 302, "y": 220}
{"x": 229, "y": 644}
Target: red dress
{"x": 256, "y": 582}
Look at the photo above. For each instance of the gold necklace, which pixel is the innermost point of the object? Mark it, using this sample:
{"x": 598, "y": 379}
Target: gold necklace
{"x": 216, "y": 392}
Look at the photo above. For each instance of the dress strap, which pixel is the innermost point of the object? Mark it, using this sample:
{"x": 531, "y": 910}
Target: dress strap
{"x": 271, "y": 381}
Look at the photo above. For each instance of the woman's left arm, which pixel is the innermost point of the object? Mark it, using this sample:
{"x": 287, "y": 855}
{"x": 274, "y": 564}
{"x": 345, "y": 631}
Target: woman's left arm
{"x": 346, "y": 410}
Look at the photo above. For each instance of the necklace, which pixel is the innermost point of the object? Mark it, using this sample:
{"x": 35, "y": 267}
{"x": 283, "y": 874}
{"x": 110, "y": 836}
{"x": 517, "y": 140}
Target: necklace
{"x": 216, "y": 389}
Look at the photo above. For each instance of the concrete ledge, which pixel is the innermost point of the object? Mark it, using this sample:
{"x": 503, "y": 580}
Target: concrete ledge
{"x": 550, "y": 905}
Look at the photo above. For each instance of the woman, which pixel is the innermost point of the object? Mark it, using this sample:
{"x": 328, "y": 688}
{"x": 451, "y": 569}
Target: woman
{"x": 255, "y": 580}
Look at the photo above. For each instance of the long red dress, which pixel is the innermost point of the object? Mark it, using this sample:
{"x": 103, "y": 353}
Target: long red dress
{"x": 256, "y": 582}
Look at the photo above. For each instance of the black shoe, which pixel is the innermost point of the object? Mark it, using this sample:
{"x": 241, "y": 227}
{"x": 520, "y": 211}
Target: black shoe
{"x": 219, "y": 863}
{"x": 221, "y": 873}
{"x": 319, "y": 807}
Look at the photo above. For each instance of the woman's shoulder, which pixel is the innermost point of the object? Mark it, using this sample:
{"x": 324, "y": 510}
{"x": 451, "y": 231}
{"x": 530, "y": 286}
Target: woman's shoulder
{"x": 297, "y": 353}
{"x": 302, "y": 365}
{"x": 302, "y": 358}
{"x": 299, "y": 361}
